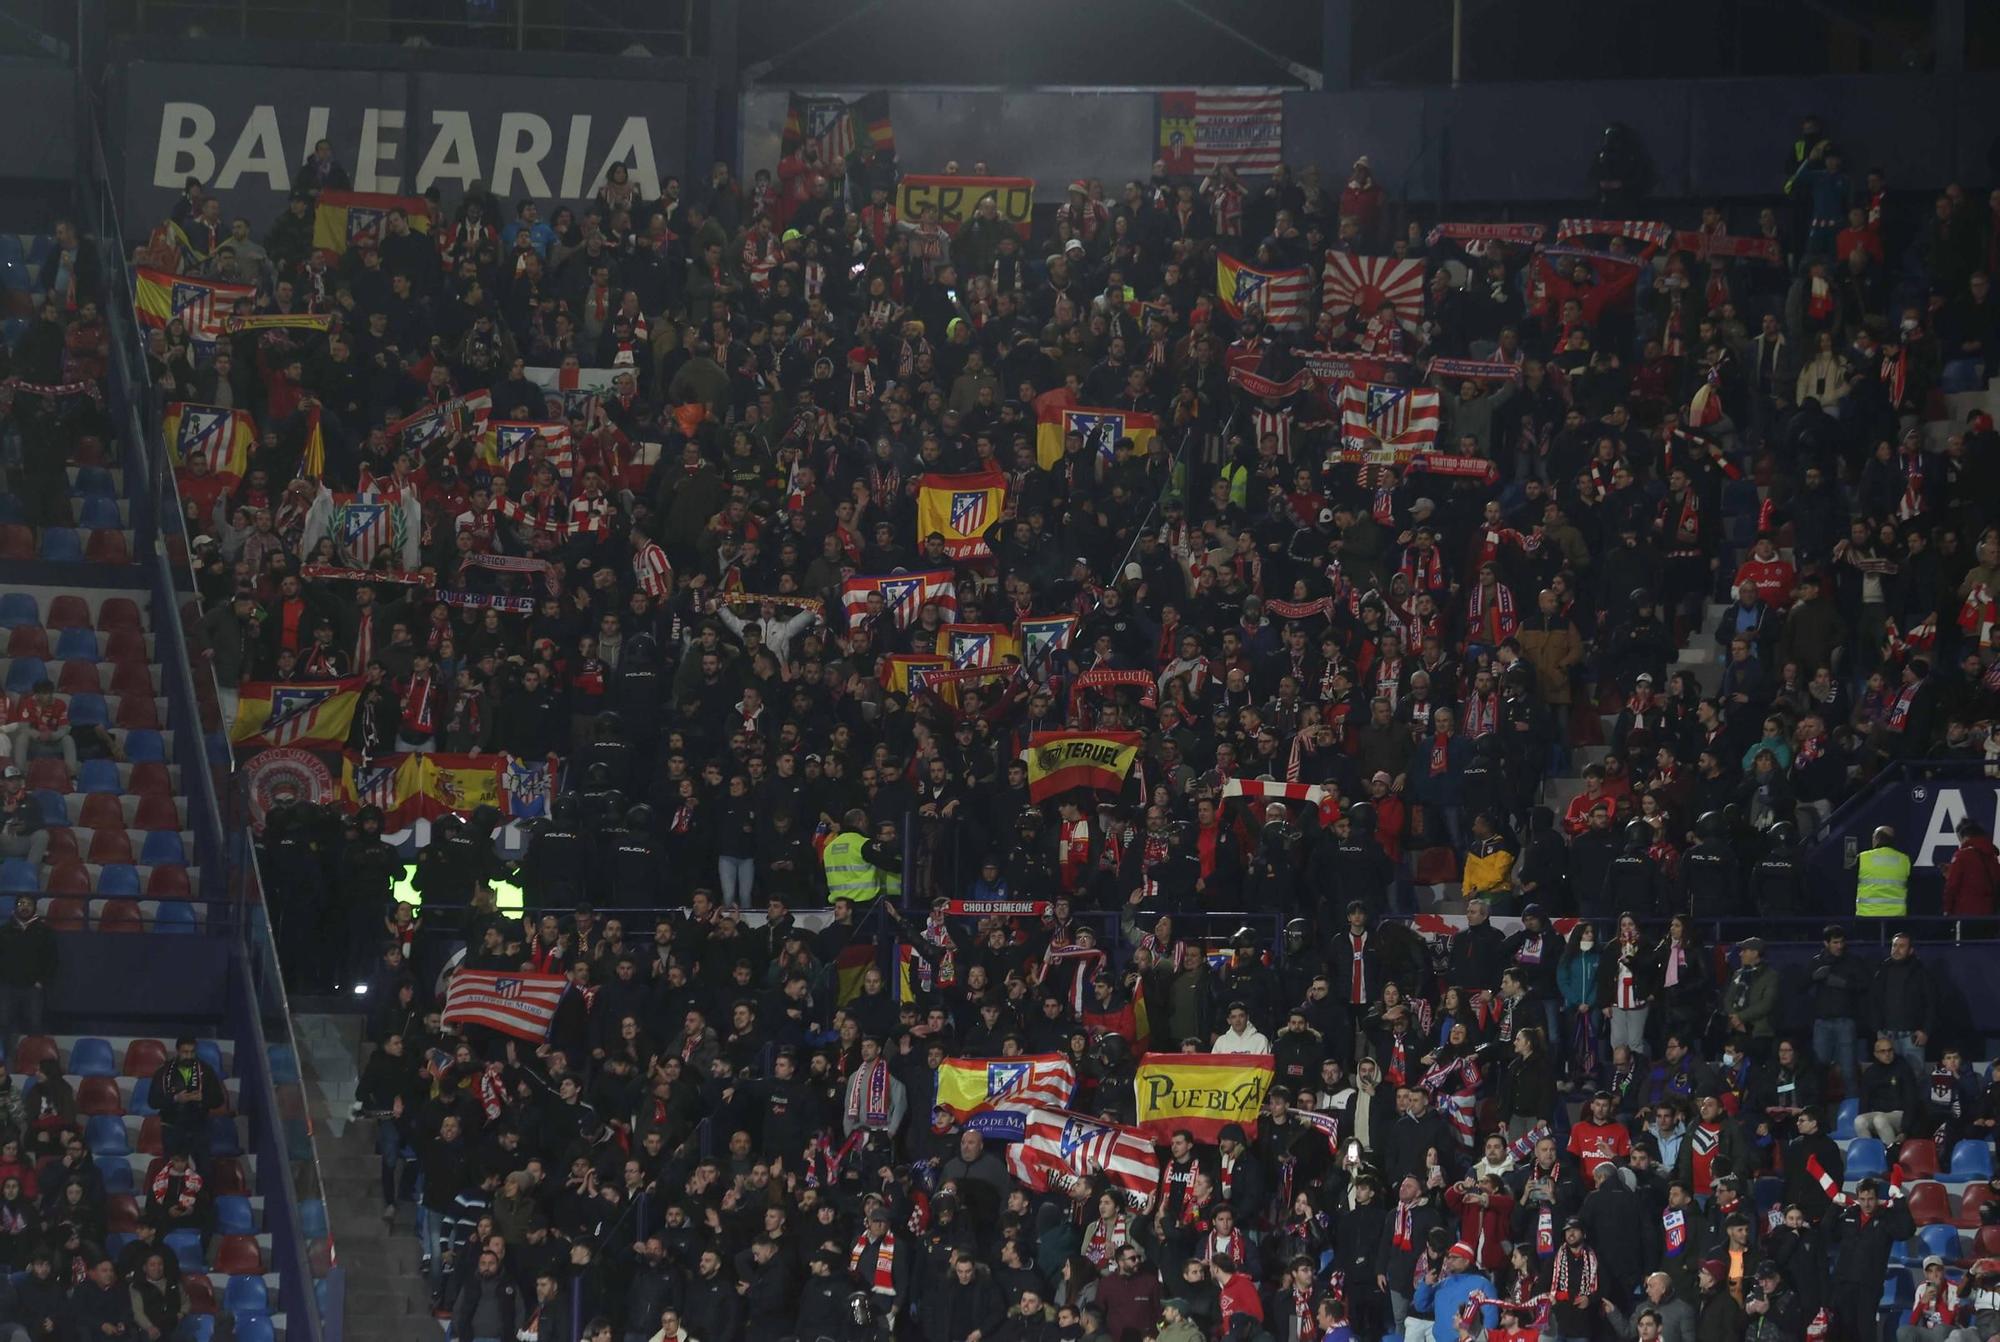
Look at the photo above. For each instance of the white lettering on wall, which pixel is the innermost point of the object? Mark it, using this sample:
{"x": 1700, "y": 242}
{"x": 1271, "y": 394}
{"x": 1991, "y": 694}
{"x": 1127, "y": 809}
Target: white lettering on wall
{"x": 378, "y": 145}
{"x": 577, "y": 156}
{"x": 511, "y": 156}
{"x": 185, "y": 132}
{"x": 634, "y": 148}
{"x": 452, "y": 155}
{"x": 259, "y": 150}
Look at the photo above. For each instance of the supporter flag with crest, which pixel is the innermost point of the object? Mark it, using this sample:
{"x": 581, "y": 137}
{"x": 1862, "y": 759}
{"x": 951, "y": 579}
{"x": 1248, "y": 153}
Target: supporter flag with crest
{"x": 270, "y": 713}
{"x": 208, "y": 433}
{"x": 960, "y": 508}
{"x": 1279, "y": 294}
{"x": 464, "y": 415}
{"x": 160, "y": 297}
{"x": 363, "y": 525}
{"x": 342, "y": 219}
{"x": 1100, "y": 426}
{"x": 1058, "y": 1150}
{"x": 903, "y": 594}
{"x": 505, "y": 443}
{"x": 837, "y": 126}
{"x": 1383, "y": 415}
{"x": 976, "y": 645}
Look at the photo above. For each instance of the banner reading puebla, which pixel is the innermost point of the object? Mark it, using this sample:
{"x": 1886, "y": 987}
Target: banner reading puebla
{"x": 1201, "y": 1093}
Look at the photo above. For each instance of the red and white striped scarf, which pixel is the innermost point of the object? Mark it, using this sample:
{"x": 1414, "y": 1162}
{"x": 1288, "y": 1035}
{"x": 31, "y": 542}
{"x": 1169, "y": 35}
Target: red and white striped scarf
{"x": 883, "y": 1274}
{"x": 1505, "y": 620}
{"x": 1912, "y": 461}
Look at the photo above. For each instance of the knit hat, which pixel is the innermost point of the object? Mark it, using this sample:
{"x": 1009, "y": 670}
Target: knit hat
{"x": 1716, "y": 1268}
{"x": 1462, "y": 1250}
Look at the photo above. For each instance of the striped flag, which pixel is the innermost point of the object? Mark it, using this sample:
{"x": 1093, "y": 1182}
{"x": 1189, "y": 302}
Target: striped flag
{"x": 1058, "y": 1148}
{"x": 903, "y": 594}
{"x": 506, "y": 442}
{"x": 1244, "y": 129}
{"x": 967, "y": 1085}
{"x": 523, "y": 1005}
{"x": 1279, "y": 294}
{"x": 1326, "y": 1123}
{"x": 1367, "y": 284}
{"x": 1380, "y": 414}
{"x": 1311, "y": 793}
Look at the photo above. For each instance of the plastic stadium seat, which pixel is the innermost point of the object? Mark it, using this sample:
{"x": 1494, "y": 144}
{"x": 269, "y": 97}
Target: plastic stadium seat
{"x": 89, "y": 710}
{"x": 284, "y": 1065}
{"x": 233, "y": 1216}
{"x": 55, "y": 814}
{"x": 22, "y": 608}
{"x": 99, "y": 1095}
{"x": 145, "y": 745}
{"x": 210, "y": 1052}
{"x": 61, "y": 545}
{"x": 245, "y": 1294}
{"x": 69, "y": 914}
{"x": 23, "y": 672}
{"x": 92, "y": 1056}
{"x": 162, "y": 847}
{"x": 28, "y": 640}
{"x": 1929, "y": 1203}
{"x": 200, "y": 1294}
{"x": 118, "y": 880}
{"x": 119, "y": 1178}
{"x": 111, "y": 845}
{"x": 158, "y": 814}
{"x": 99, "y": 514}
{"x": 143, "y": 1057}
{"x": 102, "y": 811}
{"x": 119, "y": 612}
{"x": 62, "y": 844}
{"x": 227, "y": 1176}
{"x": 239, "y": 1255}
{"x": 78, "y": 676}
{"x": 69, "y": 611}
{"x": 121, "y": 1213}
{"x": 105, "y": 1135}
{"x": 19, "y": 877}
{"x": 126, "y": 645}
{"x": 94, "y": 482}
{"x": 175, "y": 916}
{"x": 1971, "y": 1160}
{"x": 150, "y": 778}
{"x": 1918, "y": 1157}
{"x": 108, "y": 547}
{"x": 1941, "y": 1240}
{"x": 254, "y": 1328}
{"x": 131, "y": 678}
{"x": 168, "y": 883}
{"x": 17, "y": 542}
{"x": 77, "y": 642}
{"x": 150, "y": 1137}
{"x": 186, "y": 1246}
{"x": 222, "y": 1139}
{"x": 312, "y": 1218}
{"x": 137, "y": 710}
{"x": 69, "y": 878}
{"x": 1986, "y": 1242}
{"x": 140, "y": 1103}
{"x": 99, "y": 776}
{"x": 31, "y": 1053}
{"x": 1866, "y": 1159}
{"x": 120, "y": 915}
{"x": 49, "y": 774}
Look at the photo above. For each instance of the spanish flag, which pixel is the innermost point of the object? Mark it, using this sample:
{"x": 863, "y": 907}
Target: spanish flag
{"x": 460, "y": 783}
{"x": 160, "y": 296}
{"x": 897, "y": 666}
{"x": 347, "y": 217}
{"x": 1060, "y": 761}
{"x": 977, "y": 645}
{"x": 312, "y": 462}
{"x": 273, "y": 714}
{"x": 1102, "y": 430}
{"x": 1279, "y": 294}
{"x": 960, "y": 508}
{"x": 208, "y": 433}
{"x": 850, "y": 966}
{"x": 1131, "y": 1020}
{"x": 392, "y": 783}
{"x": 1200, "y": 1092}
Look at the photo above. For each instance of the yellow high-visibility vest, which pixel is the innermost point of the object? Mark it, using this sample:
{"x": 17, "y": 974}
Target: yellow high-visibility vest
{"x": 1882, "y": 884}
{"x": 848, "y": 874}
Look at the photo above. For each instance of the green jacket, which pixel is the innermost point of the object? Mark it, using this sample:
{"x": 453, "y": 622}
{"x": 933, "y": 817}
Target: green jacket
{"x": 1752, "y": 995}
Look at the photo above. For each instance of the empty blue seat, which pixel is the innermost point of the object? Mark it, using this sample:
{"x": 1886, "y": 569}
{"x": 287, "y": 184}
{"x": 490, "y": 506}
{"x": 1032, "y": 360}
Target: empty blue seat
{"x": 118, "y": 880}
{"x": 143, "y": 745}
{"x": 1843, "y": 1119}
{"x": 199, "y": 1327}
{"x": 1971, "y": 1160}
{"x": 246, "y": 1295}
{"x": 19, "y": 608}
{"x": 80, "y": 643}
{"x": 254, "y": 1328}
{"x": 174, "y": 915}
{"x": 91, "y": 1056}
{"x": 186, "y": 1245}
{"x": 162, "y": 849}
{"x": 55, "y": 810}
{"x": 1898, "y": 1292}
{"x": 141, "y": 1102}
{"x": 284, "y": 1065}
{"x": 61, "y": 545}
{"x": 210, "y": 1052}
{"x": 118, "y": 1175}
{"x": 115, "y": 1242}
{"x": 105, "y": 1135}
{"x": 23, "y": 672}
{"x": 88, "y": 710}
{"x": 19, "y": 877}
{"x": 99, "y": 776}
{"x": 93, "y": 482}
{"x": 222, "y": 1137}
{"x": 1941, "y": 1240}
{"x": 312, "y": 1218}
{"x": 233, "y": 1216}
{"x": 99, "y": 512}
{"x": 1866, "y": 1159}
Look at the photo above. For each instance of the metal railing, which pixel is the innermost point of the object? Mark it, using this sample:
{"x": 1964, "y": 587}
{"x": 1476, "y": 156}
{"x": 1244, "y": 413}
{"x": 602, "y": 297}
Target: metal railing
{"x": 662, "y": 26}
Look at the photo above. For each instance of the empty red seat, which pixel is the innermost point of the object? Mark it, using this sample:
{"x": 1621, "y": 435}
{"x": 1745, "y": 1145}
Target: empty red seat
{"x": 79, "y": 677}
{"x": 227, "y": 1176}
{"x": 28, "y": 640}
{"x": 150, "y": 779}
{"x": 69, "y": 611}
{"x": 126, "y": 645}
{"x": 107, "y": 546}
{"x": 69, "y": 878}
{"x": 149, "y": 1137}
{"x": 143, "y": 1057}
{"x": 137, "y": 710}
{"x": 89, "y": 451}
{"x": 111, "y": 845}
{"x": 120, "y": 915}
{"x": 67, "y": 914}
{"x": 1929, "y": 1204}
{"x": 48, "y": 773}
{"x": 238, "y": 1255}
{"x": 119, "y": 612}
{"x": 1918, "y": 1158}
{"x": 101, "y": 810}
{"x": 131, "y": 678}
{"x": 1975, "y": 1197}
{"x": 99, "y": 1095}
{"x": 62, "y": 845}
{"x": 17, "y": 542}
{"x": 31, "y": 1052}
{"x": 168, "y": 883}
{"x": 200, "y": 1293}
{"x": 157, "y": 812}
{"x": 121, "y": 1214}
{"x": 1986, "y": 1244}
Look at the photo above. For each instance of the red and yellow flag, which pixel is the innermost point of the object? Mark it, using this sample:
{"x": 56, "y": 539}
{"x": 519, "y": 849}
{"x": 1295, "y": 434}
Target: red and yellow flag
{"x": 1060, "y": 761}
